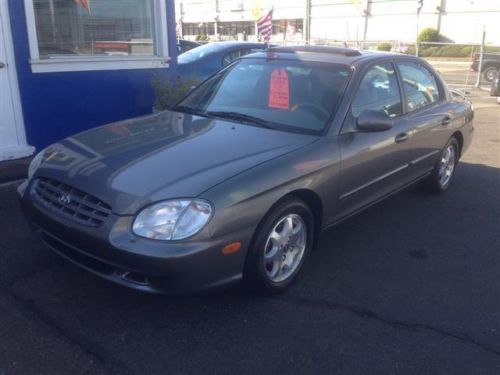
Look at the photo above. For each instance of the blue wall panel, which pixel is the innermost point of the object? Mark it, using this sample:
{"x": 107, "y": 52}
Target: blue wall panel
{"x": 56, "y": 105}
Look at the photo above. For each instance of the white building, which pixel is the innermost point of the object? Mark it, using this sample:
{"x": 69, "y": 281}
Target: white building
{"x": 343, "y": 20}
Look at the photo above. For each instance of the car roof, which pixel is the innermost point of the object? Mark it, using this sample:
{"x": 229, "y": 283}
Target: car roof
{"x": 328, "y": 54}
{"x": 219, "y": 46}
{"x": 211, "y": 49}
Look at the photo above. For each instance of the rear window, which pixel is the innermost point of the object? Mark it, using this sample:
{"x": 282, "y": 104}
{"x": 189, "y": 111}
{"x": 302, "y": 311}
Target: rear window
{"x": 293, "y": 95}
{"x": 199, "y": 52}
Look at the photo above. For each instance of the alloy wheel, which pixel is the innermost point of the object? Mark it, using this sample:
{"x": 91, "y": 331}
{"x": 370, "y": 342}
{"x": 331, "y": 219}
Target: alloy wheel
{"x": 285, "y": 247}
{"x": 447, "y": 165}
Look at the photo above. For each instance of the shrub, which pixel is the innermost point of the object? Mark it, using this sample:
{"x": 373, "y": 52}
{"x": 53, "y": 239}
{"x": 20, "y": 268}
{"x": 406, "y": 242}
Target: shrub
{"x": 201, "y": 38}
{"x": 467, "y": 50}
{"x": 428, "y": 51}
{"x": 168, "y": 93}
{"x": 384, "y": 46}
{"x": 411, "y": 50}
{"x": 429, "y": 35}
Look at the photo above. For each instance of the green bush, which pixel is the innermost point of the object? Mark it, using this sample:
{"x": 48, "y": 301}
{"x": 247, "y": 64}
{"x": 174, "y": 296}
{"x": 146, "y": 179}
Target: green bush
{"x": 168, "y": 93}
{"x": 490, "y": 49}
{"x": 201, "y": 38}
{"x": 428, "y": 51}
{"x": 411, "y": 50}
{"x": 467, "y": 50}
{"x": 384, "y": 46}
{"x": 429, "y": 35}
{"x": 451, "y": 50}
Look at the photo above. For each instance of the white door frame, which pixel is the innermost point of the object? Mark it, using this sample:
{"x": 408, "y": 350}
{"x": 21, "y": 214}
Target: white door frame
{"x": 22, "y": 149}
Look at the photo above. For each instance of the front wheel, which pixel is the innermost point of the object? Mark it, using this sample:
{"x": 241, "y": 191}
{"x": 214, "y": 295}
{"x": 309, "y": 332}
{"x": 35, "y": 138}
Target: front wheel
{"x": 280, "y": 248}
{"x": 440, "y": 178}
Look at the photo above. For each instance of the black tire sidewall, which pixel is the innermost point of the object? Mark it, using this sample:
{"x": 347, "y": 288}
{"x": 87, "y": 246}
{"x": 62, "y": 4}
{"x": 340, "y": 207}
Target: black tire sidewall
{"x": 255, "y": 276}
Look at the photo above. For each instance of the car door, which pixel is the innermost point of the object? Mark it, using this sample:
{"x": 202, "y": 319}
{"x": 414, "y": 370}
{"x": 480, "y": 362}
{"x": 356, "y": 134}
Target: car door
{"x": 374, "y": 163}
{"x": 428, "y": 114}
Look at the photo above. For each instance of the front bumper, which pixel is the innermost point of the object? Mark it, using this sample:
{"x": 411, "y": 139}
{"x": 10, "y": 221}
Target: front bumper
{"x": 112, "y": 252}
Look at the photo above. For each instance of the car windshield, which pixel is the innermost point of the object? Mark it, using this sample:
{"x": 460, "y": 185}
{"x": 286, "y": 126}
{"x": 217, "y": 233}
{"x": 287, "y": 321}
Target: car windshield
{"x": 286, "y": 95}
{"x": 199, "y": 52}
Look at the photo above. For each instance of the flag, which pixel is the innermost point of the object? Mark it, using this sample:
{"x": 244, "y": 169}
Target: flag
{"x": 420, "y": 4}
{"x": 256, "y": 9}
{"x": 265, "y": 26}
{"x": 178, "y": 29}
{"x": 84, "y": 4}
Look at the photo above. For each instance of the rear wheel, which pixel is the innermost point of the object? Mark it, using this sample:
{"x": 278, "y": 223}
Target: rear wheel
{"x": 442, "y": 174}
{"x": 280, "y": 248}
{"x": 489, "y": 73}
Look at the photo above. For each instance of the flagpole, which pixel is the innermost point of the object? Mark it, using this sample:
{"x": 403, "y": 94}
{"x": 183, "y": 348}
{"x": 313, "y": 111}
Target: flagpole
{"x": 420, "y": 5}
{"x": 53, "y": 21}
{"x": 416, "y": 40}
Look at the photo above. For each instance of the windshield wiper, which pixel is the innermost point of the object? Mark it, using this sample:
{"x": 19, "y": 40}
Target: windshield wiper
{"x": 241, "y": 117}
{"x": 191, "y": 111}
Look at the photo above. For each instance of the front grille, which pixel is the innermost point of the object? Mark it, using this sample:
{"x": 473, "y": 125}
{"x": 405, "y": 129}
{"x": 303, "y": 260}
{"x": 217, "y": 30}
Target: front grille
{"x": 70, "y": 202}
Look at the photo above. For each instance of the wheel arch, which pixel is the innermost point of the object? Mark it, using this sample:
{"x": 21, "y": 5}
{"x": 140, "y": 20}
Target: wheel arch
{"x": 311, "y": 199}
{"x": 489, "y": 64}
{"x": 460, "y": 139}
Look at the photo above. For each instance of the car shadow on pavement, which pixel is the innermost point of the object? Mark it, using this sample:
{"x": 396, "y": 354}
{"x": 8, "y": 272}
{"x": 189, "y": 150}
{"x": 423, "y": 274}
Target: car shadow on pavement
{"x": 414, "y": 277}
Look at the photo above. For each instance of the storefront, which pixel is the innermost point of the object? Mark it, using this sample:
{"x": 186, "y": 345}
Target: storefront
{"x": 70, "y": 65}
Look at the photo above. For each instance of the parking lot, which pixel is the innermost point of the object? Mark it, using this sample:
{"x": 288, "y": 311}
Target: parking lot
{"x": 410, "y": 286}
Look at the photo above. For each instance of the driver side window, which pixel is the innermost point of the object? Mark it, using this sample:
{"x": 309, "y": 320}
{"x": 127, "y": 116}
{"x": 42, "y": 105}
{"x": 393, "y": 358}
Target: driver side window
{"x": 378, "y": 91}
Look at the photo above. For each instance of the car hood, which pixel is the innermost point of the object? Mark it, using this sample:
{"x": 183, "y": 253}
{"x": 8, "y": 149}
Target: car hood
{"x": 168, "y": 155}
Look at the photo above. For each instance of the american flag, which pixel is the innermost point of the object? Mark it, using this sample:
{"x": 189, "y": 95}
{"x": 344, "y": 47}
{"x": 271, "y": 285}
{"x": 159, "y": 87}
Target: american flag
{"x": 265, "y": 26}
{"x": 420, "y": 4}
{"x": 84, "y": 4}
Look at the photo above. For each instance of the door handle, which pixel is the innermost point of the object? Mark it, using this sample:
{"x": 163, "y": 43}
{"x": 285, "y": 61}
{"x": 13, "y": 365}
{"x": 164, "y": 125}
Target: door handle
{"x": 2, "y": 65}
{"x": 446, "y": 121}
{"x": 401, "y": 137}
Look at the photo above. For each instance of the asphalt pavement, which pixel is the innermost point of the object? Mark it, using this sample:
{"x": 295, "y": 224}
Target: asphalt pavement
{"x": 410, "y": 286}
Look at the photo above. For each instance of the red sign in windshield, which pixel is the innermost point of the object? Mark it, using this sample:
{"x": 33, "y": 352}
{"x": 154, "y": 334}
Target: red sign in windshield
{"x": 279, "y": 90}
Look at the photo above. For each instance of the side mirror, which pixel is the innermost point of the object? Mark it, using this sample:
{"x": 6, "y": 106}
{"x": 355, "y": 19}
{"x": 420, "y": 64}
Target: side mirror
{"x": 374, "y": 121}
{"x": 495, "y": 85}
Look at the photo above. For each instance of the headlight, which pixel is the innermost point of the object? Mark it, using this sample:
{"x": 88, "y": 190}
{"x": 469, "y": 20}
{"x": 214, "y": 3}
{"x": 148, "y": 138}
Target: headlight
{"x": 35, "y": 164}
{"x": 172, "y": 220}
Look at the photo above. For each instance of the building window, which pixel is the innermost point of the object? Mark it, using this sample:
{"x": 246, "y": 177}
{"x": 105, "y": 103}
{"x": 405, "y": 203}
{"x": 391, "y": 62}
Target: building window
{"x": 235, "y": 28}
{"x": 68, "y": 35}
{"x": 195, "y": 29}
{"x": 288, "y": 26}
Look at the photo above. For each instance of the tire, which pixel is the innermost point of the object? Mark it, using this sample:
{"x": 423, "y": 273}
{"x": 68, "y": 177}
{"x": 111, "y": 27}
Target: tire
{"x": 273, "y": 263}
{"x": 442, "y": 174}
{"x": 489, "y": 73}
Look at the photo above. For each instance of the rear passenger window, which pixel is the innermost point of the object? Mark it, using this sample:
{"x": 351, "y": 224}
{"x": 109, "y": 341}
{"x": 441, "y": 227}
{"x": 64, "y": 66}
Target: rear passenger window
{"x": 419, "y": 85}
{"x": 378, "y": 91}
{"x": 230, "y": 57}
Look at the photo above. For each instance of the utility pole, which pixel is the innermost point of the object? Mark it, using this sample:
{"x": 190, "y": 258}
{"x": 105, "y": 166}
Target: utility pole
{"x": 441, "y": 10}
{"x": 216, "y": 19}
{"x": 366, "y": 11}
